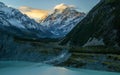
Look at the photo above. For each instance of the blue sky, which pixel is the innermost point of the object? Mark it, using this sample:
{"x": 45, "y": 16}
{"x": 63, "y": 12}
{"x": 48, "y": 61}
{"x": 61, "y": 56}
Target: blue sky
{"x": 39, "y": 9}
{"x": 82, "y": 5}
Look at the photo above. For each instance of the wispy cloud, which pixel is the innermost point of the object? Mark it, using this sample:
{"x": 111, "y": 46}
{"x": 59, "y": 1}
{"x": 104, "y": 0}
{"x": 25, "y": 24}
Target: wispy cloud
{"x": 38, "y": 14}
{"x": 63, "y": 6}
{"x": 34, "y": 13}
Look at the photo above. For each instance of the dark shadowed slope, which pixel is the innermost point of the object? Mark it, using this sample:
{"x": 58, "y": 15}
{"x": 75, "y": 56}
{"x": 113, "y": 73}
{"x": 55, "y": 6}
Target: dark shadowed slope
{"x": 100, "y": 27}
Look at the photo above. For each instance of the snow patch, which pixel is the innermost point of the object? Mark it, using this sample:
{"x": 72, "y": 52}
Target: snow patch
{"x": 94, "y": 42}
{"x": 16, "y": 23}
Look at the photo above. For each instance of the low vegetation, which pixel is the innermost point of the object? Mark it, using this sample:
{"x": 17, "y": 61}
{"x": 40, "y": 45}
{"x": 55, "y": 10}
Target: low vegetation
{"x": 96, "y": 57}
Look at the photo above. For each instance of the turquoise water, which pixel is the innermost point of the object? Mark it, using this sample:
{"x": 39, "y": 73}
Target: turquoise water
{"x": 27, "y": 68}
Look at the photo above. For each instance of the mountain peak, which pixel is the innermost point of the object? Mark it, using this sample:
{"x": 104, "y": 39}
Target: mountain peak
{"x": 62, "y": 20}
{"x": 61, "y": 7}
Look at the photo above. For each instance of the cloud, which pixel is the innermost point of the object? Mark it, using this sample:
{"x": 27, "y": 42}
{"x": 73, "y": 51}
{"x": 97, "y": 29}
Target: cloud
{"x": 34, "y": 13}
{"x": 63, "y": 6}
{"x": 38, "y": 14}
{"x": 10, "y": 6}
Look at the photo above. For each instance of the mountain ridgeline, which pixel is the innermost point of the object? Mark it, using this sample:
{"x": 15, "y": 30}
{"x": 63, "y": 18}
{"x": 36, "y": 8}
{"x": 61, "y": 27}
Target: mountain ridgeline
{"x": 61, "y": 22}
{"x": 99, "y": 28}
{"x": 95, "y": 42}
{"x": 22, "y": 38}
{"x": 13, "y": 22}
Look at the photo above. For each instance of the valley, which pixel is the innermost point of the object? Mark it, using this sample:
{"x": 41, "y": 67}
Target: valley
{"x": 66, "y": 41}
{"x": 93, "y": 57}
{"x": 96, "y": 58}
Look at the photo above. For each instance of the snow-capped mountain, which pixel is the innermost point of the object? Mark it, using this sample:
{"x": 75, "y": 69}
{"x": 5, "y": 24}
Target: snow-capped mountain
{"x": 14, "y": 22}
{"x": 56, "y": 25}
{"x": 18, "y": 34}
{"x": 62, "y": 21}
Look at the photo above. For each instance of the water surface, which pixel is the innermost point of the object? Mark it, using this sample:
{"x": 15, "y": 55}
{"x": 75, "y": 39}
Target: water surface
{"x": 29, "y": 68}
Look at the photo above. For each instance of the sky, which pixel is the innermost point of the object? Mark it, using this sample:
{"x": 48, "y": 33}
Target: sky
{"x": 42, "y": 7}
{"x": 83, "y": 5}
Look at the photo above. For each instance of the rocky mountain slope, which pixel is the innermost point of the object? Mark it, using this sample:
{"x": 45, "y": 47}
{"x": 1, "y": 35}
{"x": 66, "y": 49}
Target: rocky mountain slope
{"x": 95, "y": 42}
{"x": 99, "y": 28}
{"x": 62, "y": 21}
{"x": 12, "y": 21}
{"x": 18, "y": 35}
{"x": 56, "y": 25}
{"x": 12, "y": 48}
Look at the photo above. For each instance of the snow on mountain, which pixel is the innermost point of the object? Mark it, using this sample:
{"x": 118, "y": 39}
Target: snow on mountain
{"x": 62, "y": 20}
{"x": 56, "y": 25}
{"x": 14, "y": 22}
{"x": 16, "y": 18}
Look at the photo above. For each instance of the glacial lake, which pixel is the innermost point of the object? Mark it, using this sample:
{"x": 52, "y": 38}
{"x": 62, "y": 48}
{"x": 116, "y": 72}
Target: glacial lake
{"x": 30, "y": 68}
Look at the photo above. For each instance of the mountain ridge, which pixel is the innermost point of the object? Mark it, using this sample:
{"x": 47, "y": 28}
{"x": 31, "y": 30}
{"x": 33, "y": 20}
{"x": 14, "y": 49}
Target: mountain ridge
{"x": 100, "y": 23}
{"x": 61, "y": 22}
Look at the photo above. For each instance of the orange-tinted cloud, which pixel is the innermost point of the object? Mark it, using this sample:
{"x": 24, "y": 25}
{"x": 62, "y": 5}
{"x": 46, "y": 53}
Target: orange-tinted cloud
{"x": 37, "y": 14}
{"x": 63, "y": 6}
